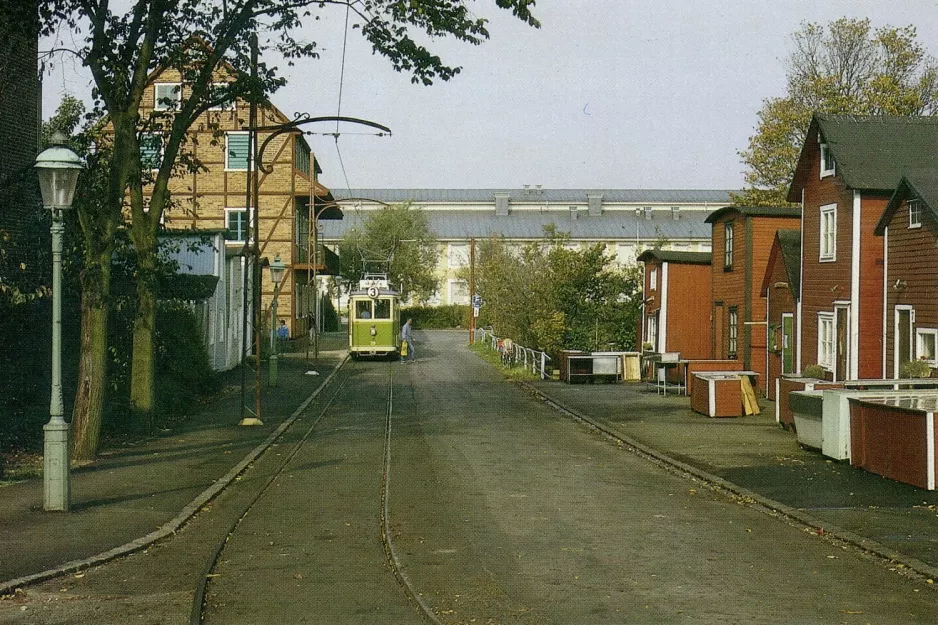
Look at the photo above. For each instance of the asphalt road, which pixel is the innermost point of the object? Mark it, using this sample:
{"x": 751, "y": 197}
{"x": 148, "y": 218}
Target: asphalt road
{"x": 501, "y": 511}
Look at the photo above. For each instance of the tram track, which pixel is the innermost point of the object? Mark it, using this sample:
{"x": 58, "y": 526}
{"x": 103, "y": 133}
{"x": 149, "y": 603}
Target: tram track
{"x": 197, "y": 614}
{"x": 199, "y": 603}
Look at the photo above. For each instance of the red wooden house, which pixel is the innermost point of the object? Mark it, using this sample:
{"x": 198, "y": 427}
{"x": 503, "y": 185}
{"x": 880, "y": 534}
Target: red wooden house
{"x": 848, "y": 169}
{"x": 742, "y": 240}
{"x": 909, "y": 227}
{"x": 780, "y": 289}
{"x": 677, "y": 285}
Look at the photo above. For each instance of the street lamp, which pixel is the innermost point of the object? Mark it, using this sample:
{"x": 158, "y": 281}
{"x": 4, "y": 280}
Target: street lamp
{"x": 277, "y": 269}
{"x": 58, "y": 169}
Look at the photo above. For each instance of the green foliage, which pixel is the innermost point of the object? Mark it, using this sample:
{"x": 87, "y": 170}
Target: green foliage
{"x": 330, "y": 317}
{"x": 915, "y": 369}
{"x": 437, "y": 317}
{"x": 184, "y": 372}
{"x": 550, "y": 297}
{"x": 847, "y": 67}
{"x": 396, "y": 239}
{"x": 814, "y": 371}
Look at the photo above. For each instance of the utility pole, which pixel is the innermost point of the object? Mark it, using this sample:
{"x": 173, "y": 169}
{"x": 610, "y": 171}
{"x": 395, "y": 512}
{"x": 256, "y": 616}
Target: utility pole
{"x": 472, "y": 290}
{"x": 252, "y": 258}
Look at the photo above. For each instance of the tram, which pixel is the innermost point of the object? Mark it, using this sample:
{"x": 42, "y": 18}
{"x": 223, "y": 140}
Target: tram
{"x": 374, "y": 319}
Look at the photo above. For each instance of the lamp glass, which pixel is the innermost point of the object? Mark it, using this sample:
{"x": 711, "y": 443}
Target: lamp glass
{"x": 58, "y": 186}
{"x": 277, "y": 268}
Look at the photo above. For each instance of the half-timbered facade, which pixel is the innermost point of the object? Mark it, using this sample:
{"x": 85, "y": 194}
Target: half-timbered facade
{"x": 742, "y": 239}
{"x": 848, "y": 169}
{"x": 676, "y": 289}
{"x": 214, "y": 195}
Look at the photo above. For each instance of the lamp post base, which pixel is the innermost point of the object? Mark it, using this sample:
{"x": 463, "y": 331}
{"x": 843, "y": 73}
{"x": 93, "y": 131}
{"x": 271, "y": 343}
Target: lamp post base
{"x": 56, "y": 480}
{"x": 272, "y": 370}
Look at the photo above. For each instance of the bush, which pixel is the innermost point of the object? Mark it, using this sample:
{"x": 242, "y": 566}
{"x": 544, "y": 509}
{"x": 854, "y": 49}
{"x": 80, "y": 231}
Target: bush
{"x": 437, "y": 317}
{"x": 183, "y": 371}
{"x": 915, "y": 369}
{"x": 330, "y": 318}
{"x": 814, "y": 371}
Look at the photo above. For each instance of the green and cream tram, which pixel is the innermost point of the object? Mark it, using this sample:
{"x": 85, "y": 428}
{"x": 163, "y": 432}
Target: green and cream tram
{"x": 374, "y": 319}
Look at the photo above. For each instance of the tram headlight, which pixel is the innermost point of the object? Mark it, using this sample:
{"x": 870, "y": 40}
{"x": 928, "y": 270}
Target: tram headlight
{"x": 374, "y": 331}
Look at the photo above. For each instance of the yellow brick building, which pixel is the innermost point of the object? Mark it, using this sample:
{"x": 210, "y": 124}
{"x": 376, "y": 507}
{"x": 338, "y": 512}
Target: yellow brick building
{"x": 210, "y": 190}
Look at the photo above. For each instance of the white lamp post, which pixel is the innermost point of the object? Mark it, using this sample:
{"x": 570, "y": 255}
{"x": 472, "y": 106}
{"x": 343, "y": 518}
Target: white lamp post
{"x": 277, "y": 269}
{"x": 58, "y": 169}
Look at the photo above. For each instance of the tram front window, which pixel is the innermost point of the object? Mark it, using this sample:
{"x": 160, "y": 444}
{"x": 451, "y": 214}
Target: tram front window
{"x": 363, "y": 309}
{"x": 383, "y": 309}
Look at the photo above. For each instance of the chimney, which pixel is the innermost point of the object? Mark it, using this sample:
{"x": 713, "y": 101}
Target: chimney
{"x": 595, "y": 204}
{"x": 501, "y": 204}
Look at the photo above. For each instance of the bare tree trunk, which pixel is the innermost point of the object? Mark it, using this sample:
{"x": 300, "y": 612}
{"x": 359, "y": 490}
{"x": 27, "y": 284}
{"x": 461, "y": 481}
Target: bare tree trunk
{"x": 92, "y": 365}
{"x": 143, "y": 368}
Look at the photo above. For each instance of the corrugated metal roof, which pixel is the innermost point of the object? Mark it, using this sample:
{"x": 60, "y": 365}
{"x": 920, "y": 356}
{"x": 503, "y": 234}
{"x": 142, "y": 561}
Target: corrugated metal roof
{"x": 873, "y": 152}
{"x": 535, "y": 196}
{"x": 529, "y": 225}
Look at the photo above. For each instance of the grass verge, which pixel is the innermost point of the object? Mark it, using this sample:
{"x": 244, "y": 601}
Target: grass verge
{"x": 494, "y": 358}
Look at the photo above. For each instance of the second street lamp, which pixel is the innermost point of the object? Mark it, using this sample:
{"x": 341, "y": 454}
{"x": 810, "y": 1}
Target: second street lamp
{"x": 277, "y": 269}
{"x": 58, "y": 168}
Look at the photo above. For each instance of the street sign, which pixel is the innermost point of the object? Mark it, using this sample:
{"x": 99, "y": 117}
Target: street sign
{"x": 477, "y": 301}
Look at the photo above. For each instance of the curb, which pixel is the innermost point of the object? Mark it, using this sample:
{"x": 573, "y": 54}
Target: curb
{"x": 829, "y": 531}
{"x": 169, "y": 528}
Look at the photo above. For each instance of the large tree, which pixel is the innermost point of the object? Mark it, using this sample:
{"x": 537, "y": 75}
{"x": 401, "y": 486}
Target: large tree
{"x": 847, "y": 67}
{"x": 397, "y": 240}
{"x": 123, "y": 44}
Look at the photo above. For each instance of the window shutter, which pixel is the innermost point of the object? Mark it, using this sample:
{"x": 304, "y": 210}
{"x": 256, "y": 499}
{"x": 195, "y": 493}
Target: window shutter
{"x": 151, "y": 148}
{"x": 239, "y": 149}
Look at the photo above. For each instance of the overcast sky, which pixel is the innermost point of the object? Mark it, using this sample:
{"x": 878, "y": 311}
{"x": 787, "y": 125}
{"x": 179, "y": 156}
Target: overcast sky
{"x": 606, "y": 94}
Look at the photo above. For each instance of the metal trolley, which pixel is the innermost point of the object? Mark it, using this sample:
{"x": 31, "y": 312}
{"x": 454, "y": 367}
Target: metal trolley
{"x": 374, "y": 319}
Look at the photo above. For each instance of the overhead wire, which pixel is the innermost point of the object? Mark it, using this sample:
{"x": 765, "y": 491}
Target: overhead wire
{"x": 338, "y": 151}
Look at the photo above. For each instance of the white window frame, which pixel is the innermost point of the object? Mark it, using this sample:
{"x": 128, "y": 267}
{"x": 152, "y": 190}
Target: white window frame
{"x": 826, "y": 340}
{"x": 930, "y": 332}
{"x": 651, "y": 331}
{"x": 625, "y": 254}
{"x": 457, "y": 255}
{"x": 160, "y": 106}
{"x": 915, "y": 213}
{"x": 224, "y": 106}
{"x": 732, "y": 332}
{"x": 451, "y": 287}
{"x": 825, "y": 153}
{"x": 228, "y": 151}
{"x": 653, "y": 279}
{"x": 728, "y": 246}
{"x": 249, "y": 221}
{"x": 827, "y": 237}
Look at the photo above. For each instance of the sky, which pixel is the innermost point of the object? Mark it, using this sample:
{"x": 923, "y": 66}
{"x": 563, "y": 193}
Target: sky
{"x": 659, "y": 94}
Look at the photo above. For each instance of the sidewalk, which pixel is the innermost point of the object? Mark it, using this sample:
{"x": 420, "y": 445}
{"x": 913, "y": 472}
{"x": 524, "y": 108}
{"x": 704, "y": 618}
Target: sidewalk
{"x": 132, "y": 496}
{"x": 755, "y": 459}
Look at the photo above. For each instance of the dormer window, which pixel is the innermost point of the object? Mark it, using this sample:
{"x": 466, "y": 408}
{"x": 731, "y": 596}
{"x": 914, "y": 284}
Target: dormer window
{"x": 828, "y": 166}
{"x": 647, "y": 210}
{"x": 915, "y": 213}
